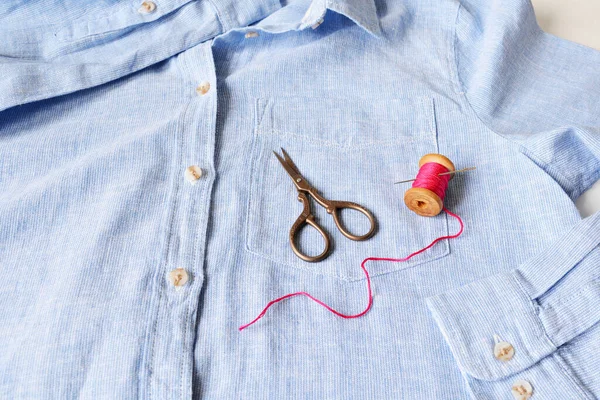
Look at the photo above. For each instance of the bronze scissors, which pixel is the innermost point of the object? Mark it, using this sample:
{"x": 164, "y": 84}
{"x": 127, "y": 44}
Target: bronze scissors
{"x": 307, "y": 218}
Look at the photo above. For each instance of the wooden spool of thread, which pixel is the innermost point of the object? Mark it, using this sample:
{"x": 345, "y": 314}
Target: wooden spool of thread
{"x": 426, "y": 196}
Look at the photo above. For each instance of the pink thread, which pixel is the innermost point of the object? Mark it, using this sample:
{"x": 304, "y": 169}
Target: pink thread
{"x": 429, "y": 177}
{"x": 362, "y": 265}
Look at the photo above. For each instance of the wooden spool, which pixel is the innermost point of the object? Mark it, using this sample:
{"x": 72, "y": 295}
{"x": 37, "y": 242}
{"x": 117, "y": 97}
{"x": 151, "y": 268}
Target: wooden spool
{"x": 423, "y": 201}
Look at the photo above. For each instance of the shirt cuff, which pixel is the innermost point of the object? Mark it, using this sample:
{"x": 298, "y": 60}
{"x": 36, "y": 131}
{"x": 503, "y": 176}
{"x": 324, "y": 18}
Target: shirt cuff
{"x": 471, "y": 316}
{"x": 518, "y": 308}
{"x": 472, "y": 319}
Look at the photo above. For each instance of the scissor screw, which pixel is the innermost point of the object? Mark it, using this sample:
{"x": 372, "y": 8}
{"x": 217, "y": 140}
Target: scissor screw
{"x": 298, "y": 179}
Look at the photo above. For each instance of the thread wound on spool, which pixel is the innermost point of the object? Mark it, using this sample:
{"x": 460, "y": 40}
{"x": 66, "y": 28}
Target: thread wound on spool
{"x": 429, "y": 177}
{"x": 426, "y": 196}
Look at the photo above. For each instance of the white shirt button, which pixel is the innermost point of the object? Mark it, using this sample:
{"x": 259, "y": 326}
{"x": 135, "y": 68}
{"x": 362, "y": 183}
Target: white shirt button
{"x": 503, "y": 351}
{"x": 251, "y": 34}
{"x": 147, "y": 7}
{"x": 522, "y": 390}
{"x": 203, "y": 88}
{"x": 178, "y": 277}
{"x": 193, "y": 173}
{"x": 317, "y": 24}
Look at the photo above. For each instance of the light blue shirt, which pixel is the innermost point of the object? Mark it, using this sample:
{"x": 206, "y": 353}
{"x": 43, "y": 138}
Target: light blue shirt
{"x": 124, "y": 276}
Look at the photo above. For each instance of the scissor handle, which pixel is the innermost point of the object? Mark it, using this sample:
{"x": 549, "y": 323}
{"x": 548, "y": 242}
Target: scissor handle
{"x": 306, "y": 218}
{"x": 334, "y": 207}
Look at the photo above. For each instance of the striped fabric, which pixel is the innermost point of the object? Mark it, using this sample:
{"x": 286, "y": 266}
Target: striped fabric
{"x": 144, "y": 218}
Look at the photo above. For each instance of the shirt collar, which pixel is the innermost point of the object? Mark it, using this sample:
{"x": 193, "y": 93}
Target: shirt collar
{"x": 362, "y": 12}
{"x": 235, "y": 14}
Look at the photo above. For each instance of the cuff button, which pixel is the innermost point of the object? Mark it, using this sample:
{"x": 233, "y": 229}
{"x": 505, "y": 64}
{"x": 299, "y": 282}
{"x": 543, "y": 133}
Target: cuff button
{"x": 503, "y": 351}
{"x": 522, "y": 390}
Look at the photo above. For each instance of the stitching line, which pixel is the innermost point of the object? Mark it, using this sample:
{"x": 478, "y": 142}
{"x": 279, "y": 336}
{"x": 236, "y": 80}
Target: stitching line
{"x": 205, "y": 193}
{"x": 535, "y": 315}
{"x": 561, "y": 301}
{"x": 160, "y": 271}
{"x": 570, "y": 376}
{"x": 261, "y": 108}
{"x": 463, "y": 94}
{"x": 328, "y": 143}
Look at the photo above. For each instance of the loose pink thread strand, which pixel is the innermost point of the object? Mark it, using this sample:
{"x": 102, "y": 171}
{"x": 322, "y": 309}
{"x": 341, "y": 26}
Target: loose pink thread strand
{"x": 362, "y": 265}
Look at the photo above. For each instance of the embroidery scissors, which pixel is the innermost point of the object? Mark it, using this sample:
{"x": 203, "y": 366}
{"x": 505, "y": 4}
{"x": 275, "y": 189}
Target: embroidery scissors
{"x": 333, "y": 207}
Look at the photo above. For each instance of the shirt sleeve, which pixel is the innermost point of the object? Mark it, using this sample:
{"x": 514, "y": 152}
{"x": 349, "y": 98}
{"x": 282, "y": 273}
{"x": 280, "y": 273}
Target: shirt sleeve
{"x": 542, "y": 93}
{"x": 536, "y": 308}
{"x": 532, "y": 88}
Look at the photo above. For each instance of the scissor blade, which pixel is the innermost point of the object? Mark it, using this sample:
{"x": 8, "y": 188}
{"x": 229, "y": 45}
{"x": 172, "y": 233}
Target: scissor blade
{"x": 291, "y": 172}
{"x": 288, "y": 159}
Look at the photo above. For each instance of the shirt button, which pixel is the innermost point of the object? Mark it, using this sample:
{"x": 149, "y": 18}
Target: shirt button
{"x": 251, "y": 34}
{"x": 317, "y": 24}
{"x": 203, "y": 88}
{"x": 193, "y": 173}
{"x": 147, "y": 7}
{"x": 504, "y": 351}
{"x": 178, "y": 277}
{"x": 522, "y": 390}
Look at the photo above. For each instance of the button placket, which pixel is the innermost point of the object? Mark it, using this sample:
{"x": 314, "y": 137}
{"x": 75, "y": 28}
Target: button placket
{"x": 183, "y": 270}
{"x": 198, "y": 156}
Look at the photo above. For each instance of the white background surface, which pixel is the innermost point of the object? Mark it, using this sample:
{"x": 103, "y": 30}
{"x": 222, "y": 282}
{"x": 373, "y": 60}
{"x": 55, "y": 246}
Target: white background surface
{"x": 579, "y": 21}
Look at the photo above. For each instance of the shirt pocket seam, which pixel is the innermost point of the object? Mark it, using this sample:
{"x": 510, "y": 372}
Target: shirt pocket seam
{"x": 425, "y": 103}
{"x": 263, "y": 130}
{"x": 325, "y": 143}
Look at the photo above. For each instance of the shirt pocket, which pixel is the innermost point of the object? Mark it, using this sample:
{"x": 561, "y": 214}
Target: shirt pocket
{"x": 348, "y": 149}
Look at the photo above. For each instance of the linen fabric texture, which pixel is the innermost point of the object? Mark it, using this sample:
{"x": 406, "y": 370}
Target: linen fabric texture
{"x": 100, "y": 118}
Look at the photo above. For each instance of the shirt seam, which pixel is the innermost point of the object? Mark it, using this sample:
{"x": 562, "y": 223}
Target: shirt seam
{"x": 586, "y": 184}
{"x": 168, "y": 251}
{"x": 346, "y": 148}
{"x": 566, "y": 300}
{"x": 577, "y": 190}
{"x": 224, "y": 26}
{"x": 463, "y": 94}
{"x": 468, "y": 363}
{"x": 455, "y": 76}
{"x": 573, "y": 193}
{"x": 472, "y": 365}
{"x": 554, "y": 354}
{"x": 534, "y": 307}
{"x": 206, "y": 194}
{"x": 568, "y": 373}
